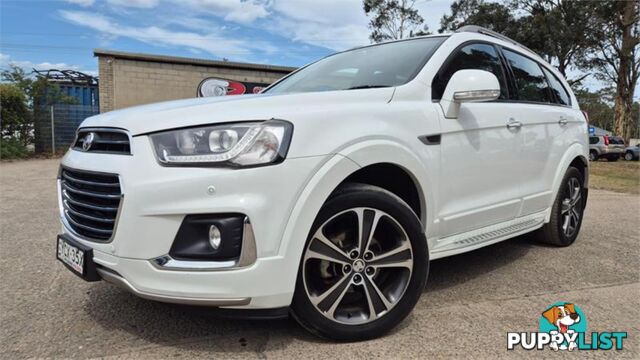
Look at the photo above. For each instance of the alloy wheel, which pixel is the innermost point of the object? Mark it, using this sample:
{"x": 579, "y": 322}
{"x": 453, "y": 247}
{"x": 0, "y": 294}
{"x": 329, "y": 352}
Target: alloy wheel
{"x": 571, "y": 207}
{"x": 357, "y": 266}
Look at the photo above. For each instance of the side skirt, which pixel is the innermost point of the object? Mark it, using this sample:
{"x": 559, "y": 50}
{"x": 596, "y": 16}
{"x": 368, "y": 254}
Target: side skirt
{"x": 475, "y": 239}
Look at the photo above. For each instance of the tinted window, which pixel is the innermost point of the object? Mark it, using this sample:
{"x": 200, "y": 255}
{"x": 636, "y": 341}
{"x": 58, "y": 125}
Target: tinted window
{"x": 530, "y": 81}
{"x": 558, "y": 90}
{"x": 384, "y": 65}
{"x": 475, "y": 56}
{"x": 616, "y": 140}
{"x": 593, "y": 140}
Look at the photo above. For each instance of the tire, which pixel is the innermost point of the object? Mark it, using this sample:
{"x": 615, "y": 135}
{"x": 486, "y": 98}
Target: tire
{"x": 566, "y": 204}
{"x": 348, "y": 305}
{"x": 593, "y": 156}
{"x": 628, "y": 156}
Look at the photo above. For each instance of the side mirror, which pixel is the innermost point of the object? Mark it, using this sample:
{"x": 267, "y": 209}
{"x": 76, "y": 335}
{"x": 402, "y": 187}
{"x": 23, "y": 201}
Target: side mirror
{"x": 468, "y": 86}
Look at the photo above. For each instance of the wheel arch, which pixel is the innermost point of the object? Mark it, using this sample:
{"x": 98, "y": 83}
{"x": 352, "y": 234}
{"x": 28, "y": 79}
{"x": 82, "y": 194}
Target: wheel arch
{"x": 393, "y": 178}
{"x": 348, "y": 164}
{"x": 573, "y": 156}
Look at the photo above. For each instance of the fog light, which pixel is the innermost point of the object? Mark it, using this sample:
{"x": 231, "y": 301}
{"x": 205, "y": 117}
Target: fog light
{"x": 215, "y": 238}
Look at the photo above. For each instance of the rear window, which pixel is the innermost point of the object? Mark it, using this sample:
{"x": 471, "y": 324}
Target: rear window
{"x": 561, "y": 94}
{"x": 616, "y": 140}
{"x": 593, "y": 140}
{"x": 530, "y": 80}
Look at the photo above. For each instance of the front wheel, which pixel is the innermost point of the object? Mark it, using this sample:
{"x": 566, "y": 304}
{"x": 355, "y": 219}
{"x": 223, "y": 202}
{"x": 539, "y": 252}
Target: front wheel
{"x": 364, "y": 266}
{"x": 593, "y": 156}
{"x": 628, "y": 156}
{"x": 567, "y": 211}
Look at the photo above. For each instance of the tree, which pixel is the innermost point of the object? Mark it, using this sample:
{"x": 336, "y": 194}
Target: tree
{"x": 562, "y": 30}
{"x": 393, "y": 19}
{"x": 25, "y": 100}
{"x": 37, "y": 91}
{"x": 599, "y": 106}
{"x": 493, "y": 16}
{"x": 616, "y": 57}
{"x": 16, "y": 120}
{"x": 558, "y": 30}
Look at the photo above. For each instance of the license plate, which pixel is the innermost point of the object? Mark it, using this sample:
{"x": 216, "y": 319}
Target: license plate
{"x": 77, "y": 258}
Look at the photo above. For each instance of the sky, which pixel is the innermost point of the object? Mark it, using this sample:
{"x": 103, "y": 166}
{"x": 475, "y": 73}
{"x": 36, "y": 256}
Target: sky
{"x": 63, "y": 33}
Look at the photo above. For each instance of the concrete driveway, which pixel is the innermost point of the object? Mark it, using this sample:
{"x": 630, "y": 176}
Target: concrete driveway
{"x": 470, "y": 303}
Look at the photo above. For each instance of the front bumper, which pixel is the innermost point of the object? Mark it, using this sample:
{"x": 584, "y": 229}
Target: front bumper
{"x": 156, "y": 200}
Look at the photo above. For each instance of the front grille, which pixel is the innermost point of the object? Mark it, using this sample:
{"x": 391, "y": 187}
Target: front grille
{"x": 90, "y": 202}
{"x": 113, "y": 141}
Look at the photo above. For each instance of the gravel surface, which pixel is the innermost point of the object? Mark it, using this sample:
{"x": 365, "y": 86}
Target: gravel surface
{"x": 470, "y": 303}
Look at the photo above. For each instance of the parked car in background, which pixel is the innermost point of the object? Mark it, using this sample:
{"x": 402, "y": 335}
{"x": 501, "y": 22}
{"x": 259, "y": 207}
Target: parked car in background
{"x": 632, "y": 153}
{"x": 327, "y": 195}
{"x": 604, "y": 146}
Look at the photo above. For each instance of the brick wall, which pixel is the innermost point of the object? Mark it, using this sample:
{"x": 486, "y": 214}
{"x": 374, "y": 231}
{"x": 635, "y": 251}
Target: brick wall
{"x": 105, "y": 69}
{"x": 127, "y": 82}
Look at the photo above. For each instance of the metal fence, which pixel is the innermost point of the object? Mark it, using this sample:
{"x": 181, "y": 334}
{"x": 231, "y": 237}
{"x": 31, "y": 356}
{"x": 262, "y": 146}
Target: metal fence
{"x": 55, "y": 126}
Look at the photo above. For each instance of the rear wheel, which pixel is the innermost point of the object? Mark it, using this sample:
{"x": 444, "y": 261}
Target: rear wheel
{"x": 567, "y": 211}
{"x": 364, "y": 265}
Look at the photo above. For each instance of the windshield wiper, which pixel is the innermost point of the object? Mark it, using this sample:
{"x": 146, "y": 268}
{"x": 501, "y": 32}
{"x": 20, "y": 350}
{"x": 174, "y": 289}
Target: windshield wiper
{"x": 367, "y": 87}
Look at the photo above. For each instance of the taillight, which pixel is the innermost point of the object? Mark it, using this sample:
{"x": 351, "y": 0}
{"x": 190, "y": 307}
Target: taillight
{"x": 606, "y": 140}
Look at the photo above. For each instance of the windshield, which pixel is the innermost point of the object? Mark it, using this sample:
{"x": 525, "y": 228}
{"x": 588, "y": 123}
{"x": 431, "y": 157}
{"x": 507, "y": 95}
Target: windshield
{"x": 383, "y": 65}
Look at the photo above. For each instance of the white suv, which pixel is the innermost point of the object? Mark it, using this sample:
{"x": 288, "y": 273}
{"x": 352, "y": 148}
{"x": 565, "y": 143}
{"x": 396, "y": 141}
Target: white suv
{"x": 327, "y": 195}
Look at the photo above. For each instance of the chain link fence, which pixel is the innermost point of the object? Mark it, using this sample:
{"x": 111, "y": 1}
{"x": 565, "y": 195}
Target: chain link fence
{"x": 55, "y": 126}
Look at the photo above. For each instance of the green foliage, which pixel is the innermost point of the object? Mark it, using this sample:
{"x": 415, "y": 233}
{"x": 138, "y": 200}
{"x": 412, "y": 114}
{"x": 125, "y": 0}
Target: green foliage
{"x": 12, "y": 149}
{"x": 23, "y": 99}
{"x": 557, "y": 30}
{"x": 17, "y": 122}
{"x": 493, "y": 16}
{"x": 601, "y": 38}
{"x": 599, "y": 106}
{"x": 37, "y": 91}
{"x": 393, "y": 19}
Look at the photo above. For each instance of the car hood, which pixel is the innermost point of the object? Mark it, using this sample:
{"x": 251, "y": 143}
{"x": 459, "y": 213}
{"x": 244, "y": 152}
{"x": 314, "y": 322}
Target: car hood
{"x": 202, "y": 111}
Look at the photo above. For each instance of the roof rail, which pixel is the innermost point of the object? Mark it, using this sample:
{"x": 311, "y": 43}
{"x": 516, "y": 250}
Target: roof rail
{"x": 485, "y": 31}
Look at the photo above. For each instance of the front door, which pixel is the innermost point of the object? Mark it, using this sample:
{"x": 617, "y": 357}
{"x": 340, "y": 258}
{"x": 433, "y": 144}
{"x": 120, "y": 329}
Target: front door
{"x": 481, "y": 168}
{"x": 480, "y": 161}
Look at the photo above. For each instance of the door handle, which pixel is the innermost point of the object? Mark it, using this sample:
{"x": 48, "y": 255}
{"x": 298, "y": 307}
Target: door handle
{"x": 513, "y": 124}
{"x": 563, "y": 121}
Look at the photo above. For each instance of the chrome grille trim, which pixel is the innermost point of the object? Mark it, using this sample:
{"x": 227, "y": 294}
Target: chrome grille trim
{"x": 89, "y": 203}
{"x": 107, "y": 141}
{"x": 72, "y": 189}
{"x": 67, "y": 176}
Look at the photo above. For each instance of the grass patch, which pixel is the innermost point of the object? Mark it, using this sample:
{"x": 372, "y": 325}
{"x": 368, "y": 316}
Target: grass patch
{"x": 621, "y": 176}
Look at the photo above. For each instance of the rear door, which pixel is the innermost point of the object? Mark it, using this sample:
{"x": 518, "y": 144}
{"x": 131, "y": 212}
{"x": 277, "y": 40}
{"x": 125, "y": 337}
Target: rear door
{"x": 544, "y": 124}
{"x": 616, "y": 145}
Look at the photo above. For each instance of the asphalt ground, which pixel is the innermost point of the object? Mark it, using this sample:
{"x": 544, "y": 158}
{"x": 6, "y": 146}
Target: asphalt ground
{"x": 470, "y": 303}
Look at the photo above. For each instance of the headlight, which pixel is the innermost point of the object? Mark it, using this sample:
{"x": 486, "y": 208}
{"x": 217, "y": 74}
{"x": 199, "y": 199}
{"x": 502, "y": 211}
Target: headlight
{"x": 239, "y": 144}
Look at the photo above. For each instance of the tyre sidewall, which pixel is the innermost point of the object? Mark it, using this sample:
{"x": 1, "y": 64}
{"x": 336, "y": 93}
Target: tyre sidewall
{"x": 564, "y": 240}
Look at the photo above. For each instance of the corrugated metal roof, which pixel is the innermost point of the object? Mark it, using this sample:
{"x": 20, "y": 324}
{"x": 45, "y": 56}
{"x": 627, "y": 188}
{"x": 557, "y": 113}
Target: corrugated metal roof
{"x": 191, "y": 61}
